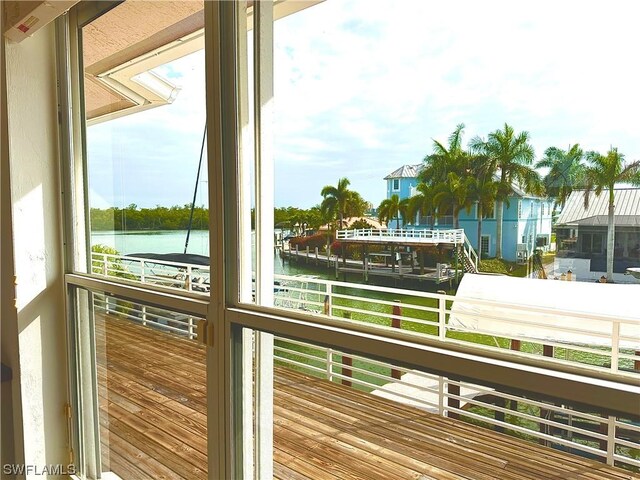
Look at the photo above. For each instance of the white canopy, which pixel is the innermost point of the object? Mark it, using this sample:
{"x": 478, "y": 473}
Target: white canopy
{"x": 552, "y": 310}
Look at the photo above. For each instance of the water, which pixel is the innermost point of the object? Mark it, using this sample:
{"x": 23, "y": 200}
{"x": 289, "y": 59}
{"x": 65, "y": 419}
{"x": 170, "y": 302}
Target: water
{"x": 172, "y": 241}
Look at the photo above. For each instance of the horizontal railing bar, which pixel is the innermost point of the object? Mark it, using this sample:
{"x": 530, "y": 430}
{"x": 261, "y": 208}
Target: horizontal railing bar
{"x": 561, "y": 426}
{"x": 566, "y": 383}
{"x": 627, "y": 426}
{"x": 528, "y": 323}
{"x": 533, "y": 433}
{"x": 149, "y": 313}
{"x": 627, "y": 460}
{"x": 187, "y": 302}
{"x": 626, "y": 443}
{"x": 302, "y": 365}
{"x": 301, "y": 354}
{"x": 528, "y": 401}
{"x": 550, "y": 343}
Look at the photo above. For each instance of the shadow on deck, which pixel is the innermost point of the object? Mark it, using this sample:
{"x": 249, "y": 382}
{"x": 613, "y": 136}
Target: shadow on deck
{"x": 152, "y": 400}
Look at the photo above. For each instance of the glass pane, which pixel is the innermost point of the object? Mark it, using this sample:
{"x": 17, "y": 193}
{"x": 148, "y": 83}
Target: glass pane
{"x": 349, "y": 416}
{"x": 145, "y": 142}
{"x": 151, "y": 384}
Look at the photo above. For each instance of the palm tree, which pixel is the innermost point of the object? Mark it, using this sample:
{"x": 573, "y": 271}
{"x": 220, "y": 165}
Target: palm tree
{"x": 602, "y": 173}
{"x": 422, "y": 202}
{"x": 336, "y": 199}
{"x": 393, "y": 207}
{"x": 444, "y": 159}
{"x": 513, "y": 155}
{"x": 453, "y": 193}
{"x": 566, "y": 172}
{"x": 483, "y": 190}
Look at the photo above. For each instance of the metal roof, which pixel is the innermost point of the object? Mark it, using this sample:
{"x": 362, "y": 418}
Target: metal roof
{"x": 405, "y": 171}
{"x": 412, "y": 171}
{"x": 626, "y": 208}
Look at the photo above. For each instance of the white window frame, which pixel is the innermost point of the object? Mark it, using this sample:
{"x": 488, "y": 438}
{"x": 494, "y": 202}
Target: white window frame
{"x": 488, "y": 237}
{"x": 226, "y": 315}
{"x": 519, "y": 209}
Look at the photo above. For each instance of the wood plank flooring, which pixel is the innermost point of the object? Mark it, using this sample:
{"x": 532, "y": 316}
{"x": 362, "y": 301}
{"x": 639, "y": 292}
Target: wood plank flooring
{"x": 152, "y": 400}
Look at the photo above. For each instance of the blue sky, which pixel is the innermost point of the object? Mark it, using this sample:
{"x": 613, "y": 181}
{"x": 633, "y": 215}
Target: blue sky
{"x": 362, "y": 88}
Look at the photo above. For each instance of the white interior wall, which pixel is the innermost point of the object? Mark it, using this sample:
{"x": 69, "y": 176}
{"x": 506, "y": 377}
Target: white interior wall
{"x": 38, "y": 357}
{"x": 10, "y": 438}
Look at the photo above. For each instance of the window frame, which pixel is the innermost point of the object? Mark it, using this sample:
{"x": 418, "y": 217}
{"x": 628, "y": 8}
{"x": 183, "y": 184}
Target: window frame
{"x": 488, "y": 237}
{"x": 227, "y": 316}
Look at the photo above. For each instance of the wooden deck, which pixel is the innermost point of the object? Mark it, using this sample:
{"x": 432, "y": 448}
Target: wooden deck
{"x": 153, "y": 424}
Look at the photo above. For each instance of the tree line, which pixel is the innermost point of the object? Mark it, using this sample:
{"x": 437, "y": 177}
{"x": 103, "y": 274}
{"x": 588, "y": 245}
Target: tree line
{"x": 156, "y": 218}
{"x": 455, "y": 178}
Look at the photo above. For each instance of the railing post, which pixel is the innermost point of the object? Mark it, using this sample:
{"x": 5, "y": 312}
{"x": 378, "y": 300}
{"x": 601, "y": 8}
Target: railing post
{"x": 144, "y": 315}
{"x": 316, "y": 255}
{"x": 106, "y": 304}
{"x": 307, "y": 253}
{"x": 105, "y": 270}
{"x": 187, "y": 280}
{"x": 442, "y": 318}
{"x": 611, "y": 440}
{"x": 396, "y": 322}
{"x": 328, "y": 254}
{"x": 191, "y": 328}
{"x": 347, "y": 362}
{"x": 453, "y": 402}
{"x": 142, "y": 271}
{"x": 329, "y": 364}
{"x": 615, "y": 347}
{"x": 441, "y": 396}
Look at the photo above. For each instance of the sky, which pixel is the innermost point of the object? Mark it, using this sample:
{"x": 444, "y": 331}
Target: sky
{"x": 364, "y": 87}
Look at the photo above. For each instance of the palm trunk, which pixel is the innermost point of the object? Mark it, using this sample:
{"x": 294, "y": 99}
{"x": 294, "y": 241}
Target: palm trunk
{"x": 499, "y": 215}
{"x": 479, "y": 251}
{"x": 610, "y": 237}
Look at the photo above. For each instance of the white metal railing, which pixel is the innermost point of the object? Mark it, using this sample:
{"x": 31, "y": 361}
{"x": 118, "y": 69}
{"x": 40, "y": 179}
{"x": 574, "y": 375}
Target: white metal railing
{"x": 183, "y": 276}
{"x": 470, "y": 253}
{"x": 604, "y": 342}
{"x": 454, "y": 236}
{"x": 486, "y": 324}
{"x": 154, "y": 317}
{"x": 609, "y": 439}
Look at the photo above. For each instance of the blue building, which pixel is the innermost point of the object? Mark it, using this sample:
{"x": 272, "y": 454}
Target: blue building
{"x": 526, "y": 220}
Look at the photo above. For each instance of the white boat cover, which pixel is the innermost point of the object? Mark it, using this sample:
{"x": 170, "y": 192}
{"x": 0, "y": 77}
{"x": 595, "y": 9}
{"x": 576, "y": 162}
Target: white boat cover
{"x": 551, "y": 310}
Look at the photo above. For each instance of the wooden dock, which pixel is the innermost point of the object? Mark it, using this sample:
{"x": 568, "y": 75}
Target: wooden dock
{"x": 152, "y": 400}
{"x": 372, "y": 269}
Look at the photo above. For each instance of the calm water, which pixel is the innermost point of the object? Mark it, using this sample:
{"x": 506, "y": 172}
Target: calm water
{"x": 172, "y": 241}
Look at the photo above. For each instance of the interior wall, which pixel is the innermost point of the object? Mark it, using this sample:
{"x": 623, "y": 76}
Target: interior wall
{"x": 40, "y": 385}
{"x": 10, "y": 437}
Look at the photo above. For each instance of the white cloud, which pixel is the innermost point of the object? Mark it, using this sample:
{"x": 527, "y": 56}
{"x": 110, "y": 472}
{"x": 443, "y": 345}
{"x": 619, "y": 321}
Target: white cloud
{"x": 362, "y": 87}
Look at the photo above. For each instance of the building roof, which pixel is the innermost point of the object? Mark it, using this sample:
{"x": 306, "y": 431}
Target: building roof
{"x": 626, "y": 210}
{"x": 412, "y": 171}
{"x": 405, "y": 171}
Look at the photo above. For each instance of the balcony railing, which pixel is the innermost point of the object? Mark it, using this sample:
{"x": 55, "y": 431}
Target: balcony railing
{"x": 453, "y": 236}
{"x": 602, "y": 342}
{"x": 609, "y": 439}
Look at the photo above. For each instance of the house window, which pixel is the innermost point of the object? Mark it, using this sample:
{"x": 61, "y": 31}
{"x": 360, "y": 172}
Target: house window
{"x": 491, "y": 214}
{"x": 484, "y": 245}
{"x": 395, "y": 184}
{"x": 520, "y": 209}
